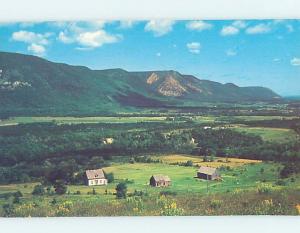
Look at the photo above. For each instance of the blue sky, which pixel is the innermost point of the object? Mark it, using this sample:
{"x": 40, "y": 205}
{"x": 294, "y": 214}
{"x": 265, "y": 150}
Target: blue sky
{"x": 257, "y": 52}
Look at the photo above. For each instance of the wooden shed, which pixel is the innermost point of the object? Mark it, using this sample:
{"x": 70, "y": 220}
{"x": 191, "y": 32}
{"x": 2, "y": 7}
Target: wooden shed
{"x": 95, "y": 177}
{"x": 160, "y": 181}
{"x": 208, "y": 173}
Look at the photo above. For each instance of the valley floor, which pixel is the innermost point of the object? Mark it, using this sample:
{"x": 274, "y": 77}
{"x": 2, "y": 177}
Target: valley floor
{"x": 247, "y": 187}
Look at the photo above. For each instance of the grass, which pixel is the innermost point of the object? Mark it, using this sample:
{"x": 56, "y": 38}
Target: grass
{"x": 269, "y": 134}
{"x": 80, "y": 120}
{"x": 193, "y": 196}
{"x": 198, "y": 160}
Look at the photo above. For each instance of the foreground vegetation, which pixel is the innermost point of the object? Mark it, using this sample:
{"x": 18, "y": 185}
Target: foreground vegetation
{"x": 43, "y": 159}
{"x": 246, "y": 188}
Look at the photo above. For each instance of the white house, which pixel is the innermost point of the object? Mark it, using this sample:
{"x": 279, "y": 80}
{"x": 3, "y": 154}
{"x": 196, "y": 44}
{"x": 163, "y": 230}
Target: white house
{"x": 95, "y": 177}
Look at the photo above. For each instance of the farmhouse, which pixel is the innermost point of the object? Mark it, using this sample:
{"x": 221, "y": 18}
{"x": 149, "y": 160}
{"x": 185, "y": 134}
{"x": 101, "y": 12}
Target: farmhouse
{"x": 95, "y": 177}
{"x": 208, "y": 173}
{"x": 108, "y": 141}
{"x": 160, "y": 181}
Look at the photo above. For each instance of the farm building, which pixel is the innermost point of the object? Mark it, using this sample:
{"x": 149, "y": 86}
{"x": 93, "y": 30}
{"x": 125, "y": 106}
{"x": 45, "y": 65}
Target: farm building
{"x": 108, "y": 141}
{"x": 208, "y": 173}
{"x": 95, "y": 177}
{"x": 160, "y": 181}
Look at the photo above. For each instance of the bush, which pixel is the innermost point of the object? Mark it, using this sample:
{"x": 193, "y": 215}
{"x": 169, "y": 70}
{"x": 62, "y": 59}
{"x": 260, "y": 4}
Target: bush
{"x": 139, "y": 193}
{"x": 38, "y": 190}
{"x": 110, "y": 177}
{"x": 131, "y": 160}
{"x": 18, "y": 194}
{"x": 121, "y": 189}
{"x": 8, "y": 210}
{"x": 189, "y": 163}
{"x": 60, "y": 188}
{"x": 281, "y": 182}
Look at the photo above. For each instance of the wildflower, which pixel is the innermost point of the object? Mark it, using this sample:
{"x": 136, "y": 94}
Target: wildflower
{"x": 298, "y": 208}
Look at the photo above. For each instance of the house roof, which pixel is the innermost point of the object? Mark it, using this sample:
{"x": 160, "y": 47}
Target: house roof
{"x": 207, "y": 170}
{"x": 161, "y": 178}
{"x": 95, "y": 174}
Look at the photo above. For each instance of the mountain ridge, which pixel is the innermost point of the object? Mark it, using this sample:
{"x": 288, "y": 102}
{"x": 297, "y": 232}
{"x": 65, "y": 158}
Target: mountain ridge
{"x": 33, "y": 84}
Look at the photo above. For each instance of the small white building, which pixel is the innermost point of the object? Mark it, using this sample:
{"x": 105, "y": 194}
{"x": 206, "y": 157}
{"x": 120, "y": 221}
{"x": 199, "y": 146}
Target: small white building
{"x": 95, "y": 177}
{"x": 108, "y": 141}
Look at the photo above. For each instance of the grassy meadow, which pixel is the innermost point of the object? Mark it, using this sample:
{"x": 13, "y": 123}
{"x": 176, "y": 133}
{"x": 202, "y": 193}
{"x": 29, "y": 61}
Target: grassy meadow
{"x": 248, "y": 185}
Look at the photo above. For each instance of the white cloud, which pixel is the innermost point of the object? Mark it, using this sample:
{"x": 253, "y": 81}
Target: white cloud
{"x": 62, "y": 36}
{"x": 198, "y": 25}
{"x": 88, "y": 35}
{"x": 125, "y": 24}
{"x": 31, "y": 37}
{"x": 194, "y": 47}
{"x": 259, "y": 29}
{"x": 36, "y": 49}
{"x": 231, "y": 53}
{"x": 36, "y": 42}
{"x": 159, "y": 27}
{"x": 295, "y": 61}
{"x": 229, "y": 30}
{"x": 239, "y": 24}
{"x": 97, "y": 38}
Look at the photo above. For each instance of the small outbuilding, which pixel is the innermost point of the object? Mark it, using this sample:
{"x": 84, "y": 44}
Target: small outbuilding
{"x": 208, "y": 173}
{"x": 95, "y": 177}
{"x": 160, "y": 181}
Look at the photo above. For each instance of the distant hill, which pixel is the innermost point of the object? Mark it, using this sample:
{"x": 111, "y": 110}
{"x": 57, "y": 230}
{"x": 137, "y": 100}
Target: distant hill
{"x": 31, "y": 85}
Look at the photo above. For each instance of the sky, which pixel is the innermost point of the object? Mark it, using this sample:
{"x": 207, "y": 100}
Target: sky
{"x": 247, "y": 53}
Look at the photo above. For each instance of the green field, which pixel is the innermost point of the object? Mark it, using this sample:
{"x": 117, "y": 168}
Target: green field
{"x": 80, "y": 120}
{"x": 270, "y": 134}
{"x": 183, "y": 178}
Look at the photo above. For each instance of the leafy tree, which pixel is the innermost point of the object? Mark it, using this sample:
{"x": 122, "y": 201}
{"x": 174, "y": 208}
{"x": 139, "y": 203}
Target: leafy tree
{"x": 121, "y": 189}
{"x": 38, "y": 190}
{"x": 189, "y": 163}
{"x": 60, "y": 188}
{"x": 110, "y": 177}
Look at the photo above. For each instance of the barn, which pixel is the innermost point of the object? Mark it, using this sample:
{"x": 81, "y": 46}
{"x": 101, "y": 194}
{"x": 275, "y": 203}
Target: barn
{"x": 95, "y": 177}
{"x": 208, "y": 173}
{"x": 160, "y": 181}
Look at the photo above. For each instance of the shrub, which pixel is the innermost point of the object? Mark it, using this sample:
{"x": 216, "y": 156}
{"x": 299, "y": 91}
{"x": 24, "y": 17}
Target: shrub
{"x": 77, "y": 192}
{"x": 38, "y": 190}
{"x": 121, "y": 189}
{"x": 60, "y": 188}
{"x": 131, "y": 160}
{"x": 110, "y": 177}
{"x": 16, "y": 200}
{"x": 53, "y": 202}
{"x": 8, "y": 210}
{"x": 189, "y": 163}
{"x": 139, "y": 193}
{"x": 18, "y": 194}
{"x": 292, "y": 179}
{"x": 281, "y": 182}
